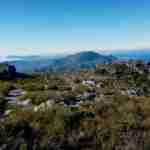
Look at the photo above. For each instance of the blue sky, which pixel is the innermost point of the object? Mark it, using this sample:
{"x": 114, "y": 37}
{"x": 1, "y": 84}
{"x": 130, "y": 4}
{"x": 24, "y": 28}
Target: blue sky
{"x": 55, "y": 26}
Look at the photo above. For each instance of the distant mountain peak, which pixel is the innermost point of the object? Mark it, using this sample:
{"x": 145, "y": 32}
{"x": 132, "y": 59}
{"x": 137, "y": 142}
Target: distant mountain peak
{"x": 81, "y": 60}
{"x": 83, "y": 56}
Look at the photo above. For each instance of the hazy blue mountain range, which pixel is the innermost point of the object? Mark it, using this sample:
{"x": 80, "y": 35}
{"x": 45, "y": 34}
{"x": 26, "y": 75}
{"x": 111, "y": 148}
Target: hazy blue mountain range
{"x": 86, "y": 59}
{"x": 71, "y": 62}
{"x": 31, "y": 65}
{"x": 33, "y": 57}
{"x": 82, "y": 60}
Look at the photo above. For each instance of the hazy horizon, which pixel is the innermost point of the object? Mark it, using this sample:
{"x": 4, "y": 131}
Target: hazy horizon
{"x": 8, "y": 55}
{"x": 34, "y": 52}
{"x": 29, "y": 52}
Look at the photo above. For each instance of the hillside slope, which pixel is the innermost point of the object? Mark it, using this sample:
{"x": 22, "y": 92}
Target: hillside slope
{"x": 82, "y": 60}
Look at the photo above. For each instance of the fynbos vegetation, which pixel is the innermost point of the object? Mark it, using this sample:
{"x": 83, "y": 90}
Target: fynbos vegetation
{"x": 107, "y": 108}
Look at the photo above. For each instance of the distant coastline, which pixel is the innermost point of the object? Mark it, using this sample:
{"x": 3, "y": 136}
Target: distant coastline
{"x": 5, "y": 59}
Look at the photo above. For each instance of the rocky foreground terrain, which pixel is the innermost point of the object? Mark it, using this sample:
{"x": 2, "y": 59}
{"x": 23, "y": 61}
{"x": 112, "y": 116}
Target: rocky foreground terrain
{"x": 106, "y": 108}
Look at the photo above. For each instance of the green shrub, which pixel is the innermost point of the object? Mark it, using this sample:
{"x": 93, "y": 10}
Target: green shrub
{"x": 37, "y": 97}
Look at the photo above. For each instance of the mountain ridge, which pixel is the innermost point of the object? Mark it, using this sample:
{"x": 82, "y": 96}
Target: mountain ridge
{"x": 81, "y": 60}
{"x": 75, "y": 61}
